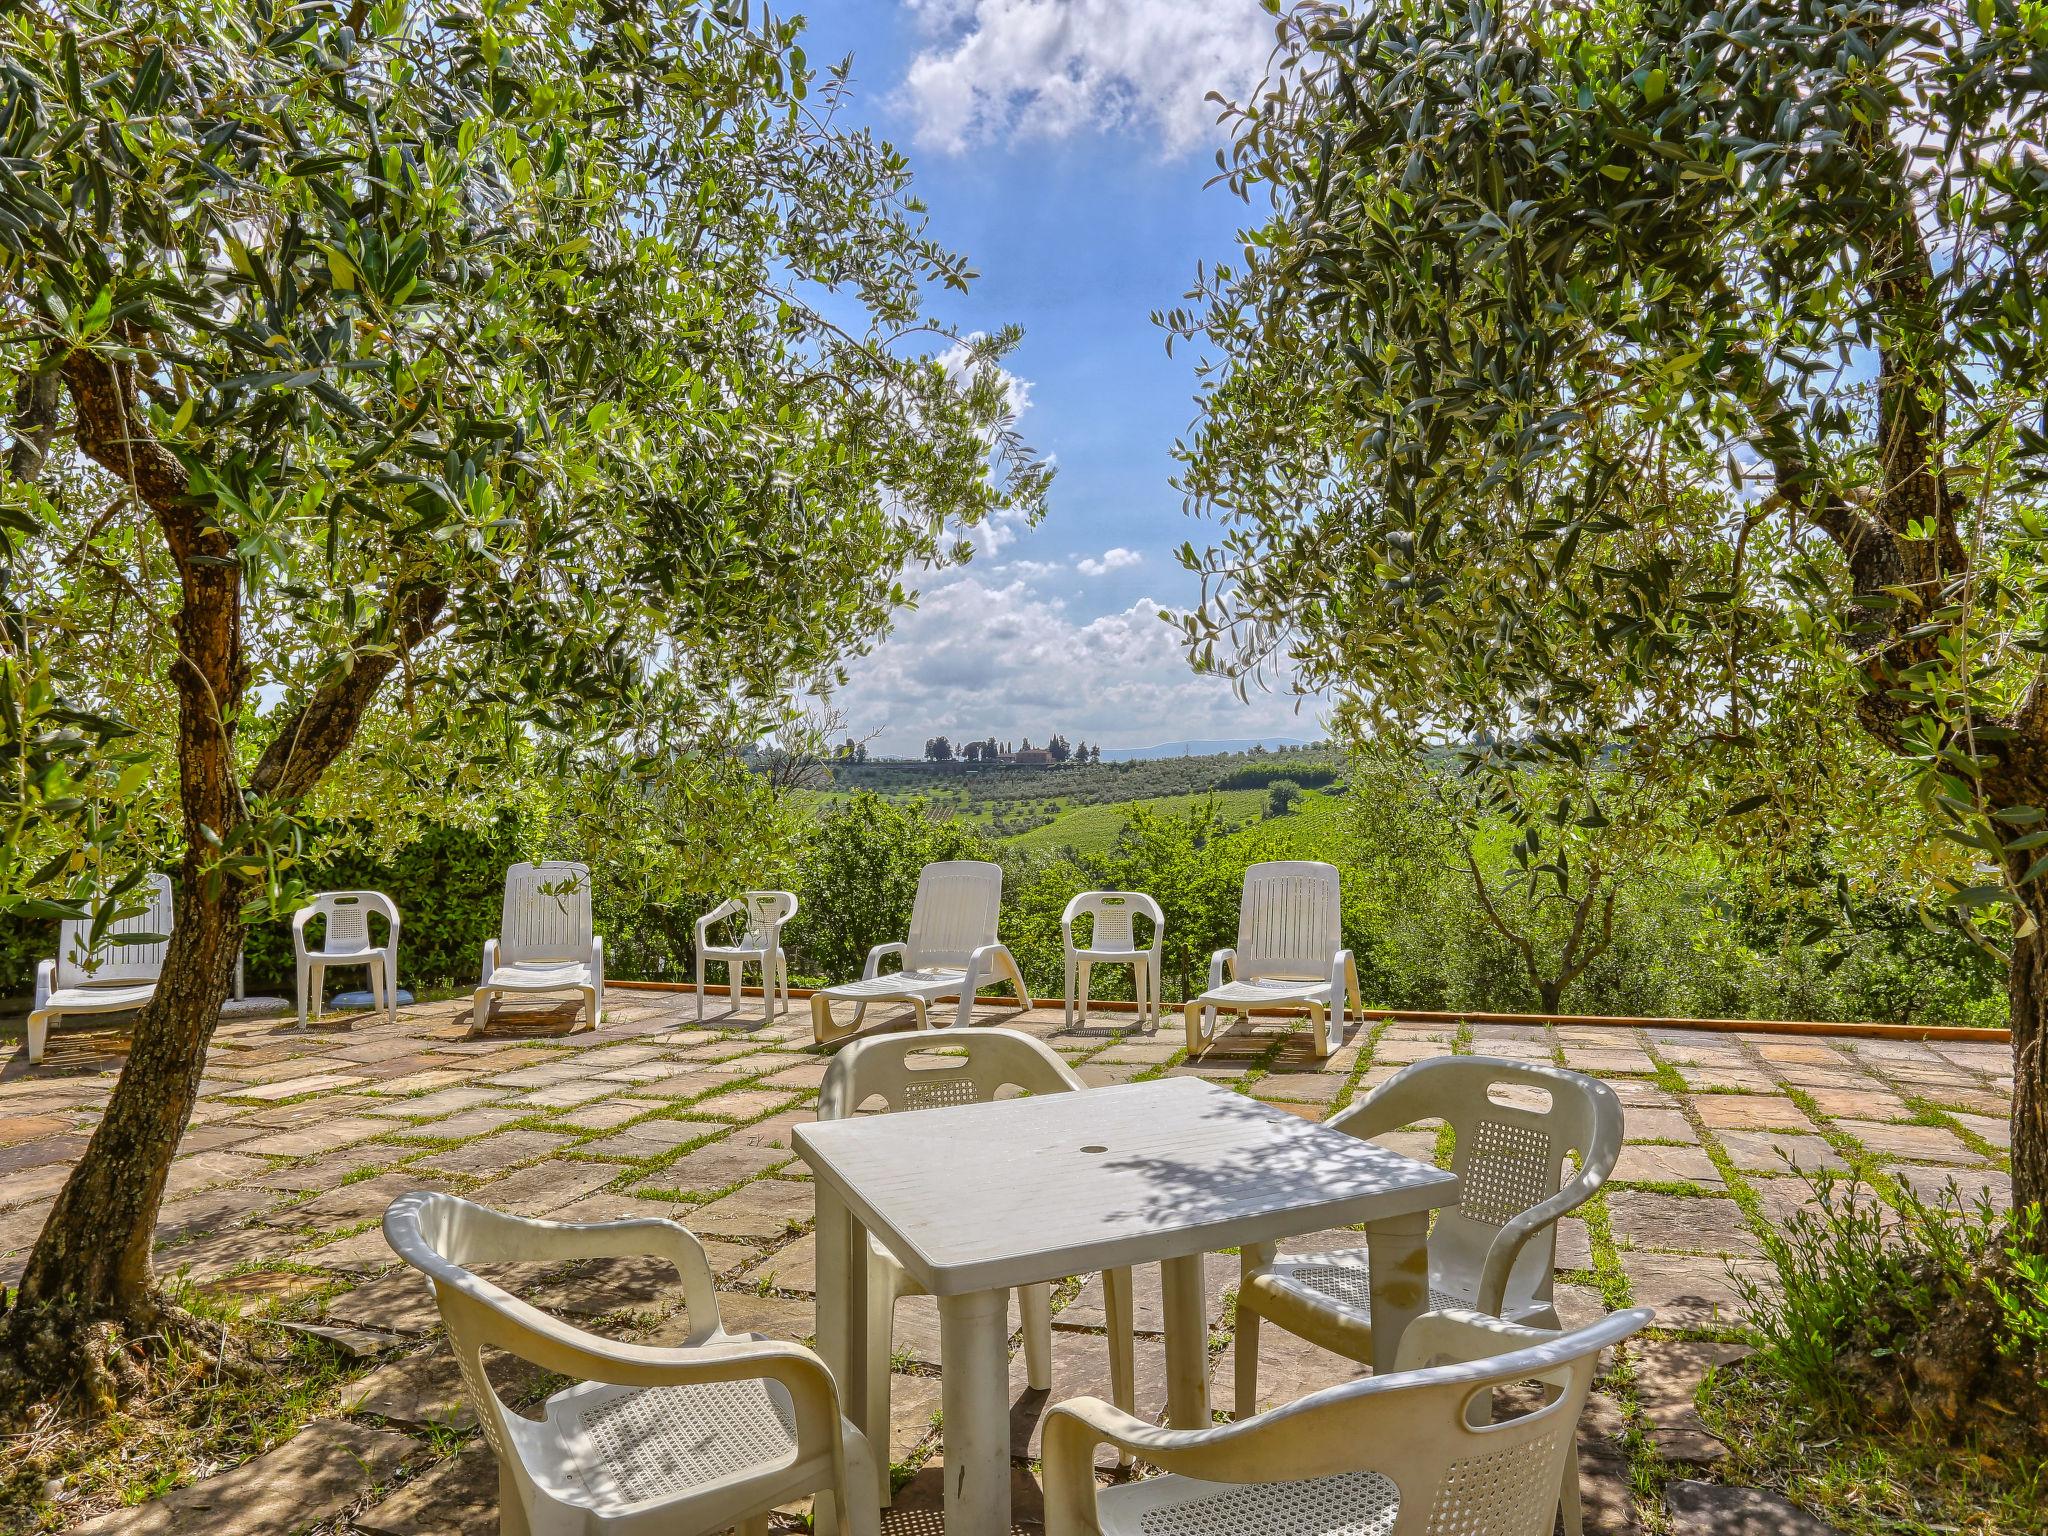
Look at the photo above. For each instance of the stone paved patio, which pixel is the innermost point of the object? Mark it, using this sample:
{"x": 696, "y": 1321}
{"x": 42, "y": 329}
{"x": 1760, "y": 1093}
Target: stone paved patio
{"x": 300, "y": 1139}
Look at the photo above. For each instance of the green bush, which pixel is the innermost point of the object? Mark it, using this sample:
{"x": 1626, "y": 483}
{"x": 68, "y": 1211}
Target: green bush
{"x": 449, "y": 885}
{"x": 1928, "y": 1321}
{"x": 857, "y": 877}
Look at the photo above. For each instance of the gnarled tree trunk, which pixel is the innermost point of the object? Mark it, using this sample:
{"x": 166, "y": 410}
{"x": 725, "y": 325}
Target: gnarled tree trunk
{"x": 2027, "y": 992}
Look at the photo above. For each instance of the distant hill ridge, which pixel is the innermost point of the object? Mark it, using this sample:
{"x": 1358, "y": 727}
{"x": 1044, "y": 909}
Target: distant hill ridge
{"x": 1199, "y": 748}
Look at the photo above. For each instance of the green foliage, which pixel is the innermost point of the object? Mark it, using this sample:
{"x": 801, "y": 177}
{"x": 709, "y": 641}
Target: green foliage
{"x": 857, "y": 877}
{"x": 449, "y": 883}
{"x": 1281, "y": 795}
{"x": 1545, "y": 293}
{"x": 571, "y": 374}
{"x": 1931, "y": 1319}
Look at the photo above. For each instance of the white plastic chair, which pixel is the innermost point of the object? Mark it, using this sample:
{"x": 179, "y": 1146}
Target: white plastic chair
{"x": 1112, "y": 940}
{"x": 1515, "y": 1127}
{"x": 760, "y": 943}
{"x": 1416, "y": 1452}
{"x": 346, "y": 941}
{"x": 952, "y": 951}
{"x": 119, "y": 977}
{"x": 1290, "y": 949}
{"x": 686, "y": 1441}
{"x": 545, "y": 942}
{"x": 994, "y": 1060}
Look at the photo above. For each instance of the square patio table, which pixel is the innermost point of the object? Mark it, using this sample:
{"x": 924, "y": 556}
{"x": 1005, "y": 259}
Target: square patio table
{"x": 974, "y": 1199}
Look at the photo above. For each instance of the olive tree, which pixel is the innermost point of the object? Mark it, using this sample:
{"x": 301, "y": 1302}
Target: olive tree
{"x": 1530, "y": 270}
{"x": 400, "y": 389}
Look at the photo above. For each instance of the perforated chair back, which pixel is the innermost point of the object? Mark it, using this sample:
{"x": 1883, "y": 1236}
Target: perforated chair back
{"x": 348, "y": 915}
{"x": 762, "y": 911}
{"x": 1113, "y": 916}
{"x": 1289, "y": 920}
{"x": 994, "y": 1059}
{"x": 954, "y": 914}
{"x": 546, "y": 915}
{"x": 118, "y": 960}
{"x": 1516, "y": 1128}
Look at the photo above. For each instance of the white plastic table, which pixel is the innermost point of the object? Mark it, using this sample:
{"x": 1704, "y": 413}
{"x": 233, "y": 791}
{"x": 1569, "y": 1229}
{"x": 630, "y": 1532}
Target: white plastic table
{"x": 977, "y": 1198}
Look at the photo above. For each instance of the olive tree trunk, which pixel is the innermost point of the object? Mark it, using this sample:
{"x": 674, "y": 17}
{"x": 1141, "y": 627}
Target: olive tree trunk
{"x": 2027, "y": 992}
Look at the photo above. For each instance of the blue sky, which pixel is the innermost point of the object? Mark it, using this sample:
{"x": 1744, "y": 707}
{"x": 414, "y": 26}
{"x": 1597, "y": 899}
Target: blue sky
{"x": 1063, "y": 146}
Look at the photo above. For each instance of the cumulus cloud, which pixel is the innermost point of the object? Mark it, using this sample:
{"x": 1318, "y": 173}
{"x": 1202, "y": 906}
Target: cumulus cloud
{"x": 959, "y": 359}
{"x": 983, "y": 654}
{"x": 998, "y": 69}
{"x": 1110, "y": 560}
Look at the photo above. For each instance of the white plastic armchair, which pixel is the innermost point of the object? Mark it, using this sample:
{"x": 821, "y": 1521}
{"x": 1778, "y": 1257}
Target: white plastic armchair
{"x": 1416, "y": 1452}
{"x": 993, "y": 1060}
{"x": 346, "y": 941}
{"x": 545, "y": 941}
{"x": 1516, "y": 1128}
{"x": 118, "y": 976}
{"x": 1113, "y": 940}
{"x": 952, "y": 952}
{"x": 760, "y": 943}
{"x": 1290, "y": 949}
{"x": 684, "y": 1441}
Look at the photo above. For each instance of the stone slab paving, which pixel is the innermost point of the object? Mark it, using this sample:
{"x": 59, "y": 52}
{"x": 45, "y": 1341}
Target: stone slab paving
{"x": 301, "y": 1138}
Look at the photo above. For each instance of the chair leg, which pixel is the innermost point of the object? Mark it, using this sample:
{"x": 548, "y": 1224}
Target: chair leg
{"x": 391, "y": 986}
{"x": 1568, "y": 1507}
{"x": 918, "y": 1007}
{"x": 1087, "y": 972}
{"x": 782, "y": 970}
{"x": 38, "y": 1034}
{"x": 590, "y": 1004}
{"x": 302, "y": 992}
{"x": 700, "y": 987}
{"x": 1319, "y": 1021}
{"x": 1246, "y": 1345}
{"x": 319, "y": 997}
{"x": 511, "y": 1513}
{"x": 1035, "y": 1302}
{"x": 1194, "y": 1015}
{"x": 755, "y": 1526}
{"x": 1068, "y": 1020}
{"x": 480, "y": 1010}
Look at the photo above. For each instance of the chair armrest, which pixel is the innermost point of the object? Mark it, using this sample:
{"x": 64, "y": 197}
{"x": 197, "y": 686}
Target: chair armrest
{"x": 980, "y": 964}
{"x": 300, "y": 919}
{"x": 1339, "y": 1429}
{"x": 1217, "y": 962}
{"x": 1507, "y": 1243}
{"x": 874, "y": 966}
{"x": 46, "y": 980}
{"x": 1455, "y": 1335}
{"x": 1248, "y": 1451}
{"x": 1339, "y": 965}
{"x": 490, "y": 958}
{"x": 718, "y": 913}
{"x": 523, "y": 1330}
{"x": 597, "y": 964}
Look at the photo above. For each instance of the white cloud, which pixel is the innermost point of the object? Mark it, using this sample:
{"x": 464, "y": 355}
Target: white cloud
{"x": 984, "y": 655}
{"x": 1050, "y": 68}
{"x": 959, "y": 358}
{"x": 1111, "y": 560}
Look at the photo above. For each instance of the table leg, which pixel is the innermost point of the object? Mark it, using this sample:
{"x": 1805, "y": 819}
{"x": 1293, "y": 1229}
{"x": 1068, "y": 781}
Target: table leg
{"x": 1187, "y": 1343}
{"x": 842, "y": 1325}
{"x": 1399, "y": 1248}
{"x": 975, "y": 1394}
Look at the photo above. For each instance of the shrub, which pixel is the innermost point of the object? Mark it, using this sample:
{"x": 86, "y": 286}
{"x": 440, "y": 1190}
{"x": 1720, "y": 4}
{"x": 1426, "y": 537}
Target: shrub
{"x": 857, "y": 877}
{"x": 1931, "y": 1321}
